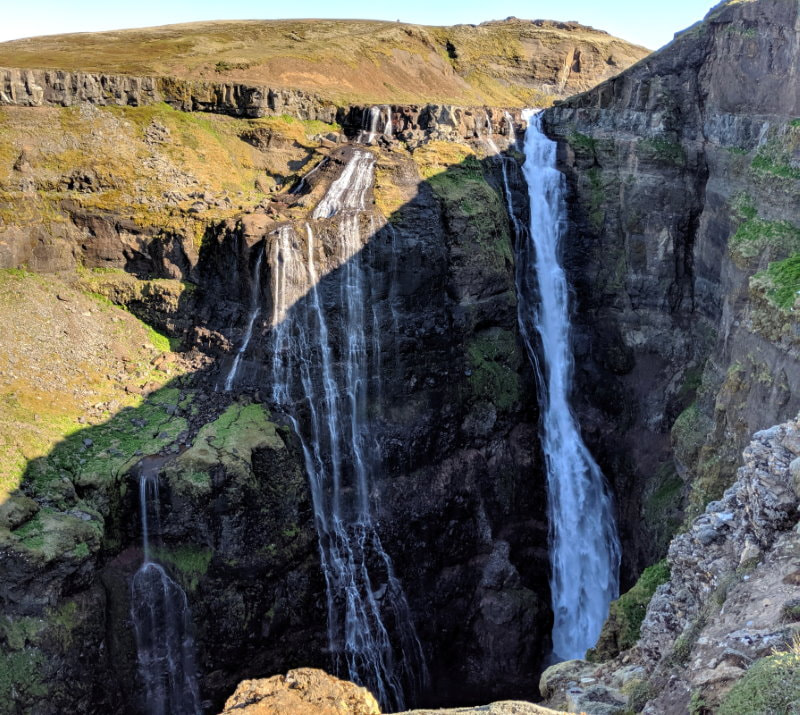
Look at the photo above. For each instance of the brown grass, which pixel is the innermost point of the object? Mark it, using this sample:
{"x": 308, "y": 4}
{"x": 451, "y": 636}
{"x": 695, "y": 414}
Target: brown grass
{"x": 344, "y": 60}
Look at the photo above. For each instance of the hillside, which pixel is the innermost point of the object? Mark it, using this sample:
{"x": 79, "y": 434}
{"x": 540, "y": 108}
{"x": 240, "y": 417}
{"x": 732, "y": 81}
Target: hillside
{"x": 505, "y": 63}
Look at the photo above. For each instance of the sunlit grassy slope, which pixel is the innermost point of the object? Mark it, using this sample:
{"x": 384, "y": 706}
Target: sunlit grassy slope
{"x": 512, "y": 62}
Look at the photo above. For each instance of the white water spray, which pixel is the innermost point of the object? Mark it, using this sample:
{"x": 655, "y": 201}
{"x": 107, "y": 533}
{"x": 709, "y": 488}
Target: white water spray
{"x": 584, "y": 548}
{"x": 161, "y": 619}
{"x": 321, "y": 379}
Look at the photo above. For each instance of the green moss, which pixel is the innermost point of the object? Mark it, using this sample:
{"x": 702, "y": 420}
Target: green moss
{"x": 771, "y": 685}
{"x": 638, "y": 694}
{"x": 475, "y": 211}
{"x": 631, "y": 607}
{"x": 582, "y": 143}
{"x": 783, "y": 281}
{"x": 21, "y": 632}
{"x": 189, "y": 560}
{"x": 663, "y": 150}
{"x": 765, "y": 164}
{"x": 596, "y": 198}
{"x": 229, "y": 442}
{"x": 114, "y": 446}
{"x": 755, "y": 236}
{"x": 21, "y": 676}
{"x": 662, "y": 506}
{"x": 682, "y": 648}
{"x": 689, "y": 433}
{"x": 161, "y": 342}
{"x": 493, "y": 359}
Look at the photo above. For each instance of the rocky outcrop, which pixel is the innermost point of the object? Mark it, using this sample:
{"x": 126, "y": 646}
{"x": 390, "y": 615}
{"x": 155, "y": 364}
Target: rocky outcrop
{"x": 305, "y": 691}
{"x": 683, "y": 227}
{"x": 731, "y": 599}
{"x": 41, "y": 88}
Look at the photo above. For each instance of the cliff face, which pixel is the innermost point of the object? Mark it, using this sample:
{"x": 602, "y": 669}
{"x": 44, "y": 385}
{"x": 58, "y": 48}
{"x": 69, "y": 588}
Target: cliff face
{"x": 175, "y": 242}
{"x": 683, "y": 241}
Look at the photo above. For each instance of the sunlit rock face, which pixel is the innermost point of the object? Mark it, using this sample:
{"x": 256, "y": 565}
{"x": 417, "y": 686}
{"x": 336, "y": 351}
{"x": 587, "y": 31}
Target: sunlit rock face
{"x": 683, "y": 190}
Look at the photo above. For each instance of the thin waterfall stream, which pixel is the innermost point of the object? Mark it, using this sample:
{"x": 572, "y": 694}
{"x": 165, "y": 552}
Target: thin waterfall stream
{"x": 161, "y": 618}
{"x": 325, "y": 344}
{"x": 255, "y": 311}
{"x": 584, "y": 546}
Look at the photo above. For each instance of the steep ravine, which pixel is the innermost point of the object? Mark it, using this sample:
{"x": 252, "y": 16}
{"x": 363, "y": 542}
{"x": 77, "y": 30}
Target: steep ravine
{"x": 460, "y": 507}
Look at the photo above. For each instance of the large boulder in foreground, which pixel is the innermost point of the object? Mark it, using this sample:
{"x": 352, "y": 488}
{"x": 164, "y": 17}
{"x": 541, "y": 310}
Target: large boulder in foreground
{"x": 304, "y": 691}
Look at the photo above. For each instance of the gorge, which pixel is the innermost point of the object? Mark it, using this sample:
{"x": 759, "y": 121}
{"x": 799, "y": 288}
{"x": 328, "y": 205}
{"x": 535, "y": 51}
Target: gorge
{"x": 350, "y": 345}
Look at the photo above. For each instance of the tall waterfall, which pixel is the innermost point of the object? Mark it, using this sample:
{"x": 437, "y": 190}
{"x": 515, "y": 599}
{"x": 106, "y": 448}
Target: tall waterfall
{"x": 161, "y": 619}
{"x": 584, "y": 548}
{"x": 321, "y": 366}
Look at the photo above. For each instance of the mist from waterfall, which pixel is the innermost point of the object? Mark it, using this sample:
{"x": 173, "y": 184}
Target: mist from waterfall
{"x": 161, "y": 618}
{"x": 584, "y": 547}
{"x": 321, "y": 367}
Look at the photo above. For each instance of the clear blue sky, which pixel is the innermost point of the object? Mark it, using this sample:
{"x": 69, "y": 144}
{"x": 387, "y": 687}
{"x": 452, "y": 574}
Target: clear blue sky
{"x": 647, "y": 23}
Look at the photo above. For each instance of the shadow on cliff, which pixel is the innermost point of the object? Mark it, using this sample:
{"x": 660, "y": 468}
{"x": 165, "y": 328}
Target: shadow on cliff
{"x": 457, "y": 489}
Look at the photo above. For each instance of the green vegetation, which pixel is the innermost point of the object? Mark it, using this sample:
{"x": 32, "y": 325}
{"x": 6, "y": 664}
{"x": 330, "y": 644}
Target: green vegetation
{"x": 596, "y": 198}
{"x": 373, "y": 62}
{"x": 493, "y": 358}
{"x": 766, "y": 164}
{"x": 630, "y": 608}
{"x": 228, "y": 441}
{"x": 770, "y": 685}
{"x": 190, "y": 561}
{"x": 582, "y": 143}
{"x": 756, "y": 236}
{"x": 782, "y": 280}
{"x": 663, "y": 150}
{"x": 689, "y": 434}
{"x": 662, "y": 506}
{"x": 20, "y": 676}
{"x": 475, "y": 211}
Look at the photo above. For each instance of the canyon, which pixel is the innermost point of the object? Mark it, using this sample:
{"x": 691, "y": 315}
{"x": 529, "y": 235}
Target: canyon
{"x": 307, "y": 307}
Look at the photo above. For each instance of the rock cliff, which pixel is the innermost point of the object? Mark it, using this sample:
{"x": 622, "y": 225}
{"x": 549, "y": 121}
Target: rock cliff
{"x": 175, "y": 243}
{"x": 718, "y": 635}
{"x": 683, "y": 237}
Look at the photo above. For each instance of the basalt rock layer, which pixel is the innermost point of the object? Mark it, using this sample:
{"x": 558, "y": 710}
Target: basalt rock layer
{"x": 683, "y": 234}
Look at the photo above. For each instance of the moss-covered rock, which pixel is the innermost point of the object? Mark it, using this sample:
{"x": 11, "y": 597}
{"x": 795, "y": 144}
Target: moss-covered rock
{"x": 625, "y": 616}
{"x": 771, "y": 685}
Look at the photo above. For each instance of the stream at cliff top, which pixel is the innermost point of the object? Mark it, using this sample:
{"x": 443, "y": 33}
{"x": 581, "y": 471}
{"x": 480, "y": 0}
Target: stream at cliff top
{"x": 161, "y": 618}
{"x": 584, "y": 547}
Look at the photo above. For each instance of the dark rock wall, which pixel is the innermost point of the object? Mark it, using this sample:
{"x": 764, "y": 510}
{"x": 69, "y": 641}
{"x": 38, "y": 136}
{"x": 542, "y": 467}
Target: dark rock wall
{"x": 684, "y": 185}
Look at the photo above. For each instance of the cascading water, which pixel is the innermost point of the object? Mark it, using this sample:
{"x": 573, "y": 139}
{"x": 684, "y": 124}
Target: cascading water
{"x": 584, "y": 548}
{"x": 512, "y": 137}
{"x": 321, "y": 379}
{"x": 255, "y": 311}
{"x": 162, "y": 620}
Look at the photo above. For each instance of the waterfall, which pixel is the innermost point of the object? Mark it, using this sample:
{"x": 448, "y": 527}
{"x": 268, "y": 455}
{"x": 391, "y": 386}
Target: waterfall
{"x": 161, "y": 619}
{"x": 584, "y": 548}
{"x": 255, "y": 311}
{"x": 512, "y": 137}
{"x": 387, "y": 127}
{"x": 320, "y": 366}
